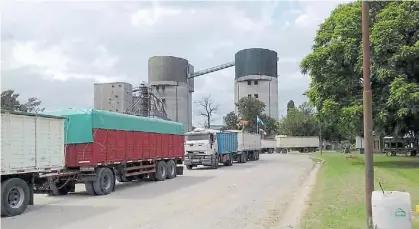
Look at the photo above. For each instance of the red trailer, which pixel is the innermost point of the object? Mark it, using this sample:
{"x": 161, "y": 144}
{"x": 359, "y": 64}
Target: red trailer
{"x": 102, "y": 147}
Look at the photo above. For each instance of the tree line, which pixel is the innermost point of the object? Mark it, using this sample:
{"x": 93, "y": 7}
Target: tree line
{"x": 10, "y": 101}
{"x": 335, "y": 69}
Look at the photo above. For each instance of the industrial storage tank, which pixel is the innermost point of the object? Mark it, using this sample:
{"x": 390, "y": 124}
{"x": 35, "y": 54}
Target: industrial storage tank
{"x": 257, "y": 76}
{"x": 168, "y": 79}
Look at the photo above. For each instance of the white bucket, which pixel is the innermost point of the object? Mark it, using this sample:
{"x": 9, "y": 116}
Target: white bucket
{"x": 391, "y": 210}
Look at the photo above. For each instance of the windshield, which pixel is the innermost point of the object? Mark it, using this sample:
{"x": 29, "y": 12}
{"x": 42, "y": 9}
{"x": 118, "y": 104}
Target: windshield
{"x": 197, "y": 137}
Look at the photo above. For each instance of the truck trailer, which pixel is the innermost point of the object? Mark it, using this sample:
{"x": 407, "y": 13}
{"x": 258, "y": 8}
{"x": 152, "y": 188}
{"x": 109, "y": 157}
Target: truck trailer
{"x": 102, "y": 147}
{"x": 248, "y": 147}
{"x": 31, "y": 144}
{"x": 303, "y": 144}
{"x": 209, "y": 148}
{"x": 268, "y": 146}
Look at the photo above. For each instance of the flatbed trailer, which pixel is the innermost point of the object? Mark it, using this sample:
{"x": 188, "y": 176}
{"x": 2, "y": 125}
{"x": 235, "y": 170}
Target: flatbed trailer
{"x": 104, "y": 147}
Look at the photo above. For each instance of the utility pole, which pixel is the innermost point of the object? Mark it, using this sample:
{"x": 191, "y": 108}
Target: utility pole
{"x": 367, "y": 99}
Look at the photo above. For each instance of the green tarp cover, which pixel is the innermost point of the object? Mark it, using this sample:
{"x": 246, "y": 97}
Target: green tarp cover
{"x": 80, "y": 122}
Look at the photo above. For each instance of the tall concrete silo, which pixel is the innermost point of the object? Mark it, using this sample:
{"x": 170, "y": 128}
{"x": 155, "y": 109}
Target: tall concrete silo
{"x": 257, "y": 77}
{"x": 168, "y": 79}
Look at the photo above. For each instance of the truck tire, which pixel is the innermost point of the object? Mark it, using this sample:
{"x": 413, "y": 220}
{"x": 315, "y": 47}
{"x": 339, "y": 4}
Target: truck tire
{"x": 15, "y": 197}
{"x": 161, "y": 171}
{"x": 89, "y": 188}
{"x": 229, "y": 161}
{"x": 243, "y": 158}
{"x": 257, "y": 156}
{"x": 215, "y": 162}
{"x": 189, "y": 167}
{"x": 270, "y": 151}
{"x": 171, "y": 169}
{"x": 105, "y": 181}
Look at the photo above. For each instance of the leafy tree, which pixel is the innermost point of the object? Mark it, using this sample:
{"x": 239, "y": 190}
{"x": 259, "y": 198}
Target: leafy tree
{"x": 271, "y": 125}
{"x": 290, "y": 105}
{"x": 299, "y": 122}
{"x": 207, "y": 108}
{"x": 231, "y": 121}
{"x": 335, "y": 68}
{"x": 10, "y": 101}
{"x": 249, "y": 108}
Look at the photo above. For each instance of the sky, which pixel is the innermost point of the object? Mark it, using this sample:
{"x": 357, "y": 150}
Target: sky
{"x": 57, "y": 50}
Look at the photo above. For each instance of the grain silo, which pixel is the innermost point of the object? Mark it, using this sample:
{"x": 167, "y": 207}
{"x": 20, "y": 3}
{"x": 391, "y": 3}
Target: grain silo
{"x": 257, "y": 77}
{"x": 168, "y": 79}
{"x": 116, "y": 97}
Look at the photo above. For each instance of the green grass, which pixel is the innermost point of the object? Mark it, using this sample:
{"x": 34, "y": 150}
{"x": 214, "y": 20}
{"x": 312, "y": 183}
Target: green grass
{"x": 338, "y": 200}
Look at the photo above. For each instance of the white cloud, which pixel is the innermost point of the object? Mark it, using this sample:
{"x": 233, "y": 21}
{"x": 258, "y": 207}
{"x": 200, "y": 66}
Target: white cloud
{"x": 79, "y": 43}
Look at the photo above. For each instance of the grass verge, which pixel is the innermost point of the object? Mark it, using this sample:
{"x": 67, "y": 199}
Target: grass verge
{"x": 338, "y": 200}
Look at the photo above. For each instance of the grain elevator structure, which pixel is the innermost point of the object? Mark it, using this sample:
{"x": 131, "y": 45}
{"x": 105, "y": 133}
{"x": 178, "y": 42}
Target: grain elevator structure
{"x": 257, "y": 76}
{"x": 115, "y": 97}
{"x": 168, "y": 78}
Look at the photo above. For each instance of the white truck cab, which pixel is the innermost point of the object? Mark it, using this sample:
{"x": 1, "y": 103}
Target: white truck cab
{"x": 201, "y": 148}
{"x": 201, "y": 141}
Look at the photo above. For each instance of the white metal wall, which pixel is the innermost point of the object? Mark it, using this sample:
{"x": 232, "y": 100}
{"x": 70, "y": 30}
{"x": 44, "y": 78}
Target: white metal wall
{"x": 266, "y": 89}
{"x": 116, "y": 97}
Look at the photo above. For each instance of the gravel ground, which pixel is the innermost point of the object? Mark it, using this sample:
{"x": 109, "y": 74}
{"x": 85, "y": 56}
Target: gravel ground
{"x": 245, "y": 196}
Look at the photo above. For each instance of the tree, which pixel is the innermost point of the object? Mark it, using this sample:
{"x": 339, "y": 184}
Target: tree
{"x": 271, "y": 125}
{"x": 299, "y": 122}
{"x": 10, "y": 101}
{"x": 207, "y": 108}
{"x": 249, "y": 108}
{"x": 335, "y": 68}
{"x": 290, "y": 105}
{"x": 231, "y": 121}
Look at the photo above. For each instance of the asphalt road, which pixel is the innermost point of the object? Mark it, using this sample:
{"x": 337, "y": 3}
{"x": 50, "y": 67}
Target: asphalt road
{"x": 245, "y": 196}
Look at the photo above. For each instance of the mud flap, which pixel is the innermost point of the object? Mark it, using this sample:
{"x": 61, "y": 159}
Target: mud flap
{"x": 179, "y": 170}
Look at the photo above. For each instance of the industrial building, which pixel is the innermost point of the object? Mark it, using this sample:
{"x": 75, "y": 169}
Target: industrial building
{"x": 257, "y": 77}
{"x": 116, "y": 97}
{"x": 168, "y": 93}
{"x": 169, "y": 81}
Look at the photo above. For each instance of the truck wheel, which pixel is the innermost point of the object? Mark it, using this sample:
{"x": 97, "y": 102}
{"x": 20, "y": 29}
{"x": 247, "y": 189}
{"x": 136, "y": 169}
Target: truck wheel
{"x": 243, "y": 158}
{"x": 14, "y": 197}
{"x": 229, "y": 161}
{"x": 189, "y": 167}
{"x": 270, "y": 151}
{"x": 89, "y": 188}
{"x": 215, "y": 163}
{"x": 171, "y": 169}
{"x": 160, "y": 174}
{"x": 59, "y": 188}
{"x": 105, "y": 181}
{"x": 257, "y": 156}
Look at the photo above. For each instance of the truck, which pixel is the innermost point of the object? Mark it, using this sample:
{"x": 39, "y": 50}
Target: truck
{"x": 248, "y": 147}
{"x": 104, "y": 147}
{"x": 31, "y": 144}
{"x": 268, "y": 146}
{"x": 303, "y": 144}
{"x": 209, "y": 147}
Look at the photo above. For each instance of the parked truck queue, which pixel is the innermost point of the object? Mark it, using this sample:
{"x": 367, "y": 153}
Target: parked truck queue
{"x": 50, "y": 153}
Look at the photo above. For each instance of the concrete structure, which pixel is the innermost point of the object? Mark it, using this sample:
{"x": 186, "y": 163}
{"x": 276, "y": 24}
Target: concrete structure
{"x": 168, "y": 79}
{"x": 116, "y": 97}
{"x": 257, "y": 77}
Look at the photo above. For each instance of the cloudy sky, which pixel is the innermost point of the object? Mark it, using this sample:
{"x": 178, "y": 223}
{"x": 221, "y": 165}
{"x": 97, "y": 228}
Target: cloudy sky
{"x": 56, "y": 50}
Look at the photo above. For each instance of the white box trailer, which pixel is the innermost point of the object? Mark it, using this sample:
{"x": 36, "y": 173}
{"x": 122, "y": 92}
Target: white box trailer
{"x": 248, "y": 146}
{"x": 31, "y": 144}
{"x": 297, "y": 143}
{"x": 268, "y": 145}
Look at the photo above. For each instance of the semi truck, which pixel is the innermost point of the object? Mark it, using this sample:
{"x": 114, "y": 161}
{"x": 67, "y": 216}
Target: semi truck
{"x": 303, "y": 144}
{"x": 104, "y": 147}
{"x": 209, "y": 148}
{"x": 31, "y": 144}
{"x": 52, "y": 152}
